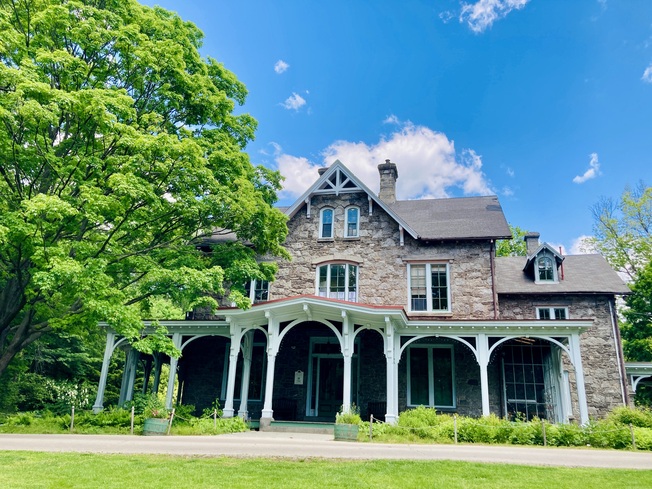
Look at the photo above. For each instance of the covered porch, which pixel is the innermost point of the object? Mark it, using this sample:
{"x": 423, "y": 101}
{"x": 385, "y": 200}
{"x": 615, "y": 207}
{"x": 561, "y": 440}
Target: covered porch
{"x": 305, "y": 358}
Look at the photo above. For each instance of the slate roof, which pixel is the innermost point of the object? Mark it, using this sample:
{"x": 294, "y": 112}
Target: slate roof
{"x": 455, "y": 218}
{"x": 589, "y": 274}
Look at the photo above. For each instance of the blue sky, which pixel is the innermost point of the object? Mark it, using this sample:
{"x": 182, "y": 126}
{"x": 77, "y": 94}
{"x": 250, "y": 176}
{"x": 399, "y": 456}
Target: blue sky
{"x": 545, "y": 103}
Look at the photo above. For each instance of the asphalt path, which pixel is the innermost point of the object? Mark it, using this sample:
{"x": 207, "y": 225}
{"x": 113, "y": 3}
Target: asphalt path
{"x": 303, "y": 446}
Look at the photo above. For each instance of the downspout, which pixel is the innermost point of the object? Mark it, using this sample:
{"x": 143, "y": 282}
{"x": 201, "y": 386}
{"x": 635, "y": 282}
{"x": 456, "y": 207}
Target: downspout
{"x": 492, "y": 253}
{"x": 621, "y": 363}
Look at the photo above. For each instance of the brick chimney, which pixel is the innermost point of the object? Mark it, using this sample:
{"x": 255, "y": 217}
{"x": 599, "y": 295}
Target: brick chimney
{"x": 531, "y": 242}
{"x": 388, "y": 176}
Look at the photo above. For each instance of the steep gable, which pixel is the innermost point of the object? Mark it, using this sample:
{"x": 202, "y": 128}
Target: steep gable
{"x": 337, "y": 180}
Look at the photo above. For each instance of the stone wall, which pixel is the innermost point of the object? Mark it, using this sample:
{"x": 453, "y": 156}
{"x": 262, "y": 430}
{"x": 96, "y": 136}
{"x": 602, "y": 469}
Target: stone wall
{"x": 597, "y": 344}
{"x": 382, "y": 260}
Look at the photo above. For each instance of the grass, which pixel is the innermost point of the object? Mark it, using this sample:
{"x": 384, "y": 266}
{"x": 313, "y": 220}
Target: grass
{"x": 73, "y": 470}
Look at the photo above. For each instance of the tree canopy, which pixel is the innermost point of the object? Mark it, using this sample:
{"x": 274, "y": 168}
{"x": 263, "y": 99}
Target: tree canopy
{"x": 623, "y": 229}
{"x": 636, "y": 331}
{"x": 512, "y": 247}
{"x": 119, "y": 153}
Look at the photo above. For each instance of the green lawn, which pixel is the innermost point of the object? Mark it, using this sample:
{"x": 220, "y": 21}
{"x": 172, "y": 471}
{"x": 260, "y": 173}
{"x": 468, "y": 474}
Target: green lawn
{"x": 73, "y": 470}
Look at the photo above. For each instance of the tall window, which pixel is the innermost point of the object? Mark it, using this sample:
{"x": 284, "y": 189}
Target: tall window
{"x": 545, "y": 269}
{"x": 257, "y": 291}
{"x": 352, "y": 225}
{"x": 524, "y": 372}
{"x": 431, "y": 379}
{"x": 326, "y": 223}
{"x": 429, "y": 287}
{"x": 338, "y": 281}
{"x": 556, "y": 313}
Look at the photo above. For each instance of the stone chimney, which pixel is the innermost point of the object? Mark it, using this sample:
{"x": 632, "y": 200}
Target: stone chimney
{"x": 388, "y": 176}
{"x": 531, "y": 242}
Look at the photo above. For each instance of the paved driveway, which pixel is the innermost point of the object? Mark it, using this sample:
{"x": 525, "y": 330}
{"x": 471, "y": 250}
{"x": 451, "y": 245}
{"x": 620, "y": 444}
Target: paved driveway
{"x": 301, "y": 446}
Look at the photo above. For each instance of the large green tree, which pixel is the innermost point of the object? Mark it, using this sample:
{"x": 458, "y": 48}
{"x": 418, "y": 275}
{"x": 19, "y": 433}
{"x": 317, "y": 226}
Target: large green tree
{"x": 119, "y": 153}
{"x": 623, "y": 229}
{"x": 637, "y": 328}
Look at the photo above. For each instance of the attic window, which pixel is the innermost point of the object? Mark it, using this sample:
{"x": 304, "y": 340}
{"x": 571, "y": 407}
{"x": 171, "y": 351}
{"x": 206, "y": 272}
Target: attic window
{"x": 545, "y": 269}
{"x": 326, "y": 223}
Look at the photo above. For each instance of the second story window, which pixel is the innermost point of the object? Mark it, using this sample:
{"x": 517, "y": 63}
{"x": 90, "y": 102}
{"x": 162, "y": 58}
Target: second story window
{"x": 556, "y": 313}
{"x": 428, "y": 287}
{"x": 257, "y": 291}
{"x": 352, "y": 224}
{"x": 326, "y": 223}
{"x": 338, "y": 281}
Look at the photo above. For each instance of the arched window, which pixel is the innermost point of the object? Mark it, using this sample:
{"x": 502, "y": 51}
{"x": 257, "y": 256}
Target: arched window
{"x": 352, "y": 224}
{"x": 338, "y": 281}
{"x": 326, "y": 223}
{"x": 545, "y": 269}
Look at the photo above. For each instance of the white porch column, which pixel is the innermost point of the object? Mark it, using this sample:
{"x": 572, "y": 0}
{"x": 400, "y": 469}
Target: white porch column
{"x": 176, "y": 340}
{"x": 236, "y": 335}
{"x": 108, "y": 352}
{"x": 247, "y": 350}
{"x": 347, "y": 352}
{"x": 391, "y": 354}
{"x": 483, "y": 361}
{"x": 273, "y": 344}
{"x": 579, "y": 378}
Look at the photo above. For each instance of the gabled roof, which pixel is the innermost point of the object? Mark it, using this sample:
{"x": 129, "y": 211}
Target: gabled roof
{"x": 545, "y": 246}
{"x": 426, "y": 219}
{"x": 587, "y": 274}
{"x": 455, "y": 218}
{"x": 338, "y": 179}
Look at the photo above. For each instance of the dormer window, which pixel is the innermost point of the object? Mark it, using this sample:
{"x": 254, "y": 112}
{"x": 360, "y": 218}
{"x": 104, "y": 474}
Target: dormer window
{"x": 352, "y": 224}
{"x": 545, "y": 269}
{"x": 326, "y": 223}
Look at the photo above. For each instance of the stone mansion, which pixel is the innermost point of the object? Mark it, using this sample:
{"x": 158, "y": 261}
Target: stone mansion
{"x": 391, "y": 304}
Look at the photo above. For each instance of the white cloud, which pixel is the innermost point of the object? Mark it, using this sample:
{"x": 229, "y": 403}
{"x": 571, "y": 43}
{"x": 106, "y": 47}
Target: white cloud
{"x": 446, "y": 16}
{"x": 484, "y": 13}
{"x": 281, "y": 66}
{"x": 294, "y": 102}
{"x": 647, "y": 75}
{"x": 428, "y": 165}
{"x": 391, "y": 119}
{"x": 592, "y": 172}
{"x": 582, "y": 246}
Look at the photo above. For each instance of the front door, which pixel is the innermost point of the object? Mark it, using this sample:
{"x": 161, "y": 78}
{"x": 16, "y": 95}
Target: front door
{"x": 329, "y": 388}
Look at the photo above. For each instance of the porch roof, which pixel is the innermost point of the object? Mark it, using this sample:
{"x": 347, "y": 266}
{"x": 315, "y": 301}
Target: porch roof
{"x": 638, "y": 368}
{"x": 310, "y": 307}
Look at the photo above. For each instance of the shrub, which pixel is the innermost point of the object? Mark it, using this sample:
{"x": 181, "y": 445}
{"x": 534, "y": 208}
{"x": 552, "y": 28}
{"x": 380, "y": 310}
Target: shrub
{"x": 641, "y": 417}
{"x": 565, "y": 435}
{"x": 350, "y": 417}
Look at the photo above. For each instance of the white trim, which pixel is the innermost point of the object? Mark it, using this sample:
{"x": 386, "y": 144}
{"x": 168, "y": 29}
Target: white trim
{"x": 552, "y": 311}
{"x": 346, "y": 221}
{"x": 338, "y": 166}
{"x": 428, "y": 287}
{"x": 347, "y": 271}
{"x": 321, "y": 223}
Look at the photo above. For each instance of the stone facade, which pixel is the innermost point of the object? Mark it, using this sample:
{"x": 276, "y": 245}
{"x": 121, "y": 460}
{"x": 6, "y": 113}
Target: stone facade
{"x": 313, "y": 341}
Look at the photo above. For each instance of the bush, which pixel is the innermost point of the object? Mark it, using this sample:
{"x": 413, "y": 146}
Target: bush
{"x": 641, "y": 417}
{"x": 565, "y": 435}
